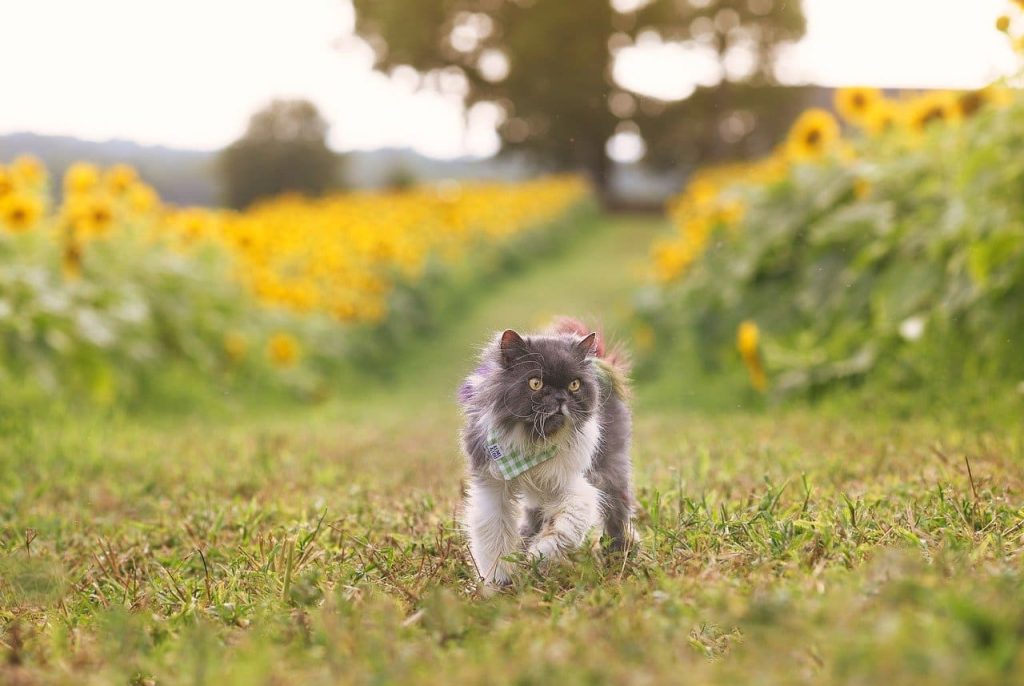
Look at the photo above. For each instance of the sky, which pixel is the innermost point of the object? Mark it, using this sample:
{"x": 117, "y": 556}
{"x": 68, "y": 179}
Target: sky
{"x": 188, "y": 73}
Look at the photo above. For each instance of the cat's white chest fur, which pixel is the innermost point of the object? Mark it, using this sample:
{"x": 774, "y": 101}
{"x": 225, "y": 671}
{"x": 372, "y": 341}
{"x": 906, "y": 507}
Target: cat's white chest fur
{"x": 576, "y": 449}
{"x": 550, "y": 479}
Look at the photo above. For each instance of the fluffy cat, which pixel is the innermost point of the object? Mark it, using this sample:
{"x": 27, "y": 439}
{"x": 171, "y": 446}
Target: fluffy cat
{"x": 546, "y": 436}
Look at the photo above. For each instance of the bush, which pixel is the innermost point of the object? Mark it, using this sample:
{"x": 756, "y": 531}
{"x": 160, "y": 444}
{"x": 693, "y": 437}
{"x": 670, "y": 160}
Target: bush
{"x": 896, "y": 258}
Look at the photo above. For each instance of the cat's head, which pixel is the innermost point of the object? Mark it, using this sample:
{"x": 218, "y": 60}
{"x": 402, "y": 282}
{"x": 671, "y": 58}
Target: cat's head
{"x": 545, "y": 383}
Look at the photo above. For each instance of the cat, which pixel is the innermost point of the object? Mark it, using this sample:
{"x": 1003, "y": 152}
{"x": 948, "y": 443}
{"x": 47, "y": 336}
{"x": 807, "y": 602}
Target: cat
{"x": 546, "y": 435}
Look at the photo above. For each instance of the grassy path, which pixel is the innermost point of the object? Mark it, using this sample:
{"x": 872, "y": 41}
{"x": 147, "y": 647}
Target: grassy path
{"x": 594, "y": 278}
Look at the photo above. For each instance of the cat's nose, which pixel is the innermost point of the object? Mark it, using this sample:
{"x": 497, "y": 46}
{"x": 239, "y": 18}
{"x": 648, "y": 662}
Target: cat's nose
{"x": 561, "y": 397}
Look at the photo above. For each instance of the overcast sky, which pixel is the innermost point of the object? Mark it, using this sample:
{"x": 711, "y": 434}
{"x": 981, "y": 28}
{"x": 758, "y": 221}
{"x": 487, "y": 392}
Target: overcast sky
{"x": 188, "y": 73}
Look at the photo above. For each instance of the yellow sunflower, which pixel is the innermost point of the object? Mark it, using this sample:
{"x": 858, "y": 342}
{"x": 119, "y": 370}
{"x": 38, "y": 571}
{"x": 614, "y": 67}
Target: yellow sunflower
{"x": 283, "y": 349}
{"x": 813, "y": 134}
{"x": 142, "y": 198}
{"x": 91, "y": 216}
{"x": 671, "y": 259}
{"x": 1003, "y": 23}
{"x": 932, "y": 108}
{"x": 20, "y": 212}
{"x": 6, "y": 182}
{"x": 120, "y": 178}
{"x": 855, "y": 104}
{"x": 81, "y": 177}
{"x": 882, "y": 117}
{"x": 971, "y": 102}
{"x": 748, "y": 343}
{"x": 28, "y": 171}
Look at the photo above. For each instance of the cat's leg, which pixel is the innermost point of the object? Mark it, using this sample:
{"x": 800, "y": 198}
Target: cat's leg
{"x": 614, "y": 480}
{"x": 491, "y": 516}
{"x": 617, "y": 512}
{"x": 532, "y": 521}
{"x": 566, "y": 520}
{"x": 612, "y": 474}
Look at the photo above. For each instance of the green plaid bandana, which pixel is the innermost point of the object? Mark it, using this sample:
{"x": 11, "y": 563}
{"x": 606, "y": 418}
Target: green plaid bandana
{"x": 512, "y": 463}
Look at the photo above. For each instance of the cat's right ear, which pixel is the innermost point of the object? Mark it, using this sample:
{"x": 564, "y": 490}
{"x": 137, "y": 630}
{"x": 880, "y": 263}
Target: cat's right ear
{"x": 512, "y": 347}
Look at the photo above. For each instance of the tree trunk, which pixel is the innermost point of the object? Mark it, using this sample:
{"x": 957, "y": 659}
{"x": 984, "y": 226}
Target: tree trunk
{"x": 599, "y": 168}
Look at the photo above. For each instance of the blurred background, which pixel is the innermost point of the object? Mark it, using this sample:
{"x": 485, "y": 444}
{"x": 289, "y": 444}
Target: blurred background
{"x": 351, "y": 171}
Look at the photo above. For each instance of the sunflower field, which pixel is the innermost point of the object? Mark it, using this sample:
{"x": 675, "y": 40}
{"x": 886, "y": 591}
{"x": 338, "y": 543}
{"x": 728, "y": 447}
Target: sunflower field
{"x": 110, "y": 292}
{"x": 886, "y": 247}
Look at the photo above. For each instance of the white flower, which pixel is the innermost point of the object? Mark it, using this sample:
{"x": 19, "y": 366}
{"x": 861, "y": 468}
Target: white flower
{"x": 912, "y": 328}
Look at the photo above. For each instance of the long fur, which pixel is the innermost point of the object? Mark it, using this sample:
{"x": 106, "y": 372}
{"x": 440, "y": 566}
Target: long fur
{"x": 549, "y": 509}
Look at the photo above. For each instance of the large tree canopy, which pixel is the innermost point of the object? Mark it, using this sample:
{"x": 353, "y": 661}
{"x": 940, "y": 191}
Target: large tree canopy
{"x": 548, "y": 64}
{"x": 284, "y": 149}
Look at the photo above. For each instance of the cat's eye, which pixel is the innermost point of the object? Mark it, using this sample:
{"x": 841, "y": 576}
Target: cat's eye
{"x": 574, "y": 385}
{"x": 536, "y": 384}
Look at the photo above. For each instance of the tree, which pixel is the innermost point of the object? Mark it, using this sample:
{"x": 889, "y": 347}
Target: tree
{"x": 284, "y": 149}
{"x": 548, "y": 64}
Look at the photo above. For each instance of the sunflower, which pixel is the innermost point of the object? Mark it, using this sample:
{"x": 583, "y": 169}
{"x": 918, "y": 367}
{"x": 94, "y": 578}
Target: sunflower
{"x": 142, "y": 198}
{"x": 120, "y": 178}
{"x": 20, "y": 212}
{"x": 813, "y": 134}
{"x": 28, "y": 171}
{"x": 91, "y": 216}
{"x": 672, "y": 259}
{"x": 748, "y": 343}
{"x": 881, "y": 117}
{"x": 1003, "y": 23}
{"x": 854, "y": 104}
{"x": 6, "y": 182}
{"x": 283, "y": 349}
{"x": 932, "y": 108}
{"x": 971, "y": 102}
{"x": 81, "y": 177}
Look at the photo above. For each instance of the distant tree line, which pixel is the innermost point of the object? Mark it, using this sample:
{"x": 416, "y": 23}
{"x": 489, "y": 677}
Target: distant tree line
{"x": 284, "y": 150}
{"x": 548, "y": 66}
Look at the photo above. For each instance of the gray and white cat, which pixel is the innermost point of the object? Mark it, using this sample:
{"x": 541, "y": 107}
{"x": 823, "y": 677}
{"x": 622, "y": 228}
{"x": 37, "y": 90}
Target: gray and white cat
{"x": 547, "y": 436}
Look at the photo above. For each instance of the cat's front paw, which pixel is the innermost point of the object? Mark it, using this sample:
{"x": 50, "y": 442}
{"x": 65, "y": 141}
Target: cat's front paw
{"x": 626, "y": 540}
{"x": 544, "y": 547}
{"x": 496, "y": 582}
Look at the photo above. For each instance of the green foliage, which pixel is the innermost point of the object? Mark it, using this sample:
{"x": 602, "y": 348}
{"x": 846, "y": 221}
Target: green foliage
{"x": 284, "y": 150}
{"x": 904, "y": 266}
{"x": 139, "y": 308}
{"x": 563, "y": 105}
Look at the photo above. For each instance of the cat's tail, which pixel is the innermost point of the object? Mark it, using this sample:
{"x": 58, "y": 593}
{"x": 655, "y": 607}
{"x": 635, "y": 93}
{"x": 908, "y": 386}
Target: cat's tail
{"x": 616, "y": 356}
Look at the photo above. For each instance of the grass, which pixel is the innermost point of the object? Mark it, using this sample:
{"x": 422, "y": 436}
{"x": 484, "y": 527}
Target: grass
{"x": 319, "y": 546}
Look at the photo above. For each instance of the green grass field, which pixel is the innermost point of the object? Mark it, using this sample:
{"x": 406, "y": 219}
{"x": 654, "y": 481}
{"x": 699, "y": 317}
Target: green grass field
{"x": 319, "y": 545}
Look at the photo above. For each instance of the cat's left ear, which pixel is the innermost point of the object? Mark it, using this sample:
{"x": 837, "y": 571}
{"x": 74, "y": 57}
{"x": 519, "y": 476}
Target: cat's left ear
{"x": 512, "y": 347}
{"x": 587, "y": 347}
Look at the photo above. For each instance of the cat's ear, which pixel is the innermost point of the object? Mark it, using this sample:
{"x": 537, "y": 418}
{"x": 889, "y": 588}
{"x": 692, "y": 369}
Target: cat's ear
{"x": 588, "y": 346}
{"x": 512, "y": 347}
